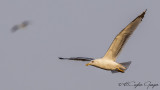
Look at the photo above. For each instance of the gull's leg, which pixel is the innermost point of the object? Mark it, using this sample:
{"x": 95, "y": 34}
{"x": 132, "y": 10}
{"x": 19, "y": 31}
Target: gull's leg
{"x": 120, "y": 70}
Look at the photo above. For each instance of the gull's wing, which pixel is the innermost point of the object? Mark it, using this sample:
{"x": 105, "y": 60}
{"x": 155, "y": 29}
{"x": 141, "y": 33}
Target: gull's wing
{"x": 15, "y": 28}
{"x": 24, "y": 24}
{"x": 78, "y": 58}
{"x": 122, "y": 37}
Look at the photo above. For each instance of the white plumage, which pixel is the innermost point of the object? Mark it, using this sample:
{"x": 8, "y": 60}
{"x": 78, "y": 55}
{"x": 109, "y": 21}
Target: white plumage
{"x": 108, "y": 62}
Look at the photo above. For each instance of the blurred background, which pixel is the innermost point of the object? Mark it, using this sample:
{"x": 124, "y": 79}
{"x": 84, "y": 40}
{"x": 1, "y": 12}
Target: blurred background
{"x": 70, "y": 28}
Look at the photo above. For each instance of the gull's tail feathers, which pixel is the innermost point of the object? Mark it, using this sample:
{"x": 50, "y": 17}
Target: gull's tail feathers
{"x": 77, "y": 58}
{"x": 125, "y": 64}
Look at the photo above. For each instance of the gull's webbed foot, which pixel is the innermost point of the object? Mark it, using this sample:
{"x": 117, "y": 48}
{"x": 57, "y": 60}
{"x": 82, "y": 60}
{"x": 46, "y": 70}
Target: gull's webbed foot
{"x": 120, "y": 70}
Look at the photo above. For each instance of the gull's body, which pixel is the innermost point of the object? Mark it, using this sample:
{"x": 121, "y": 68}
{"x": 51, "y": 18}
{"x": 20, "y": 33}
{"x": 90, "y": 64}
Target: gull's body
{"x": 108, "y": 62}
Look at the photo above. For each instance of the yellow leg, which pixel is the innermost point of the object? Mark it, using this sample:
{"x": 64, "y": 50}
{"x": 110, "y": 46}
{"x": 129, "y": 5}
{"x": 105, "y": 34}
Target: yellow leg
{"x": 120, "y": 70}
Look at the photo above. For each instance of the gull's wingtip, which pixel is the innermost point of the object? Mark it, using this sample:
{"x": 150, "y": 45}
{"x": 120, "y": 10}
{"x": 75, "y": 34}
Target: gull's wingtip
{"x": 60, "y": 58}
{"x": 142, "y": 15}
{"x": 145, "y": 10}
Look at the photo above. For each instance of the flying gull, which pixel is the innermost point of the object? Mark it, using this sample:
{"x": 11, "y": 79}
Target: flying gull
{"x": 108, "y": 62}
{"x": 22, "y": 25}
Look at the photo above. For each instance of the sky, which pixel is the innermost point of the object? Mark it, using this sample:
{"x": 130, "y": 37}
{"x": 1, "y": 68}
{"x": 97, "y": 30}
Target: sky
{"x": 70, "y": 28}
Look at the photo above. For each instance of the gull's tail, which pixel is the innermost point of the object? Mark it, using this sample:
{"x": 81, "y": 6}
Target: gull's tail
{"x": 125, "y": 64}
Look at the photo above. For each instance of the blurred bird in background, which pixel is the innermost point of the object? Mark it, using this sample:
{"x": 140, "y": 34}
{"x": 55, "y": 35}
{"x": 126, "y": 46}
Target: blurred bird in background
{"x": 20, "y": 26}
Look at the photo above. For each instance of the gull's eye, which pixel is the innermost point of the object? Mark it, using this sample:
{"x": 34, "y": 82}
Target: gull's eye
{"x": 92, "y": 61}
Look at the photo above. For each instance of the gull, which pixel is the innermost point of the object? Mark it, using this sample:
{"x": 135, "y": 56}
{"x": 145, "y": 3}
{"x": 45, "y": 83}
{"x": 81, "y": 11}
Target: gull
{"x": 20, "y": 26}
{"x": 108, "y": 62}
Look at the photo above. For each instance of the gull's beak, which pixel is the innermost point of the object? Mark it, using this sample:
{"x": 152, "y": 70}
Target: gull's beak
{"x": 88, "y": 64}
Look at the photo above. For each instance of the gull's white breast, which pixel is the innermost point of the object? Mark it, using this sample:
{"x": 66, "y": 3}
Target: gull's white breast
{"x": 106, "y": 64}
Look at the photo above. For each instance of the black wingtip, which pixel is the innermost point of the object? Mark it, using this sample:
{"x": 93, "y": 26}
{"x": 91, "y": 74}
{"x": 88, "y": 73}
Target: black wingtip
{"x": 142, "y": 15}
{"x": 60, "y": 58}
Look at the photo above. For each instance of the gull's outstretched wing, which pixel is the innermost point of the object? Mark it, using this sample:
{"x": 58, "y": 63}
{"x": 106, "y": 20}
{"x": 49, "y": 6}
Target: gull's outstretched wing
{"x": 24, "y": 24}
{"x": 122, "y": 37}
{"x": 78, "y": 58}
{"x": 15, "y": 28}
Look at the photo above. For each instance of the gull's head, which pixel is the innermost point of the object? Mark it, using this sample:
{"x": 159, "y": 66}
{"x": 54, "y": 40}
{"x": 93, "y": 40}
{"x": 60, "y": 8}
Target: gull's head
{"x": 93, "y": 63}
